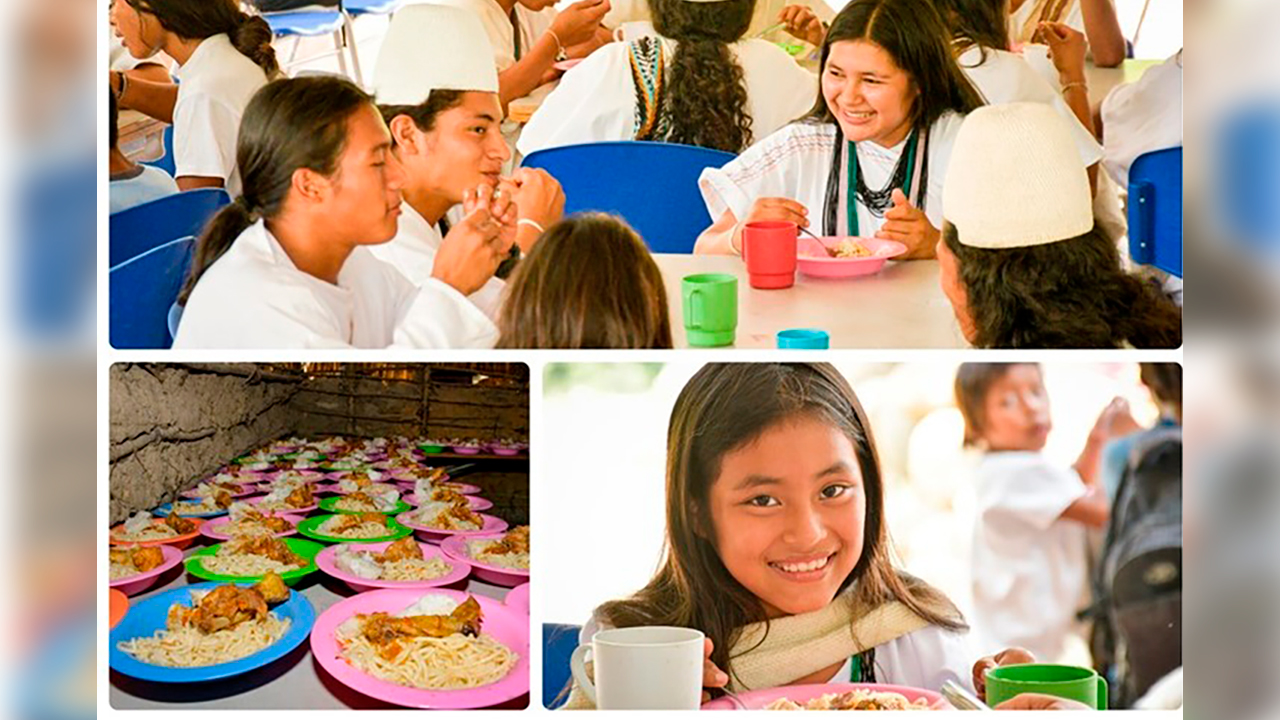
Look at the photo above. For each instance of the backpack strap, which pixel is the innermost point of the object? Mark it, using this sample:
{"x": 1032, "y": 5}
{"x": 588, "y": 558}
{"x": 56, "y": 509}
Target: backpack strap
{"x": 648, "y": 70}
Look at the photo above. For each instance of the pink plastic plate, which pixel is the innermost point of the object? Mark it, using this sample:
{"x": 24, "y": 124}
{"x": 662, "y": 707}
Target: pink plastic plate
{"x": 292, "y": 511}
{"x": 466, "y": 450}
{"x": 456, "y": 548}
{"x": 213, "y": 528}
{"x": 135, "y": 584}
{"x": 813, "y": 260}
{"x": 567, "y": 65}
{"x": 502, "y": 623}
{"x": 518, "y": 598}
{"x": 327, "y": 561}
{"x": 432, "y": 535}
{"x": 759, "y": 699}
{"x": 475, "y": 502}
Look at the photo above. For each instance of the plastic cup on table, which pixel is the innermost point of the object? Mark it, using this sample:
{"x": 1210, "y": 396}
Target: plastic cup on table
{"x": 803, "y": 339}
{"x": 710, "y": 308}
{"x": 769, "y": 249}
{"x": 1065, "y": 681}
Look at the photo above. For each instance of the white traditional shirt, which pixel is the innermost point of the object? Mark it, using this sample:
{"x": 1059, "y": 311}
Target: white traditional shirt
{"x": 215, "y": 86}
{"x": 795, "y": 162}
{"x": 596, "y": 100}
{"x": 255, "y": 297}
{"x": 413, "y": 252}
{"x": 1029, "y": 564}
{"x": 1140, "y": 117}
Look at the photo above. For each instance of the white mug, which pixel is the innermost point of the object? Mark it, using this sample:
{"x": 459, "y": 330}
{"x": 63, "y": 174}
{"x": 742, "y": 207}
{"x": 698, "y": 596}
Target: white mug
{"x": 643, "y": 668}
{"x": 634, "y": 30}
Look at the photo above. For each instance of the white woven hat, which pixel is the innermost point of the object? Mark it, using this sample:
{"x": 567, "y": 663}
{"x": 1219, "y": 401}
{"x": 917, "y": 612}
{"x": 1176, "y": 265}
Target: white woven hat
{"x": 1015, "y": 179}
{"x": 433, "y": 47}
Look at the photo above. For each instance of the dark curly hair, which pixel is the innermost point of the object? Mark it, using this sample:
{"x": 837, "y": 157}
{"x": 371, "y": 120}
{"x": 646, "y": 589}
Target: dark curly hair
{"x": 983, "y": 23}
{"x": 1068, "y": 294}
{"x": 915, "y": 36}
{"x": 705, "y": 102}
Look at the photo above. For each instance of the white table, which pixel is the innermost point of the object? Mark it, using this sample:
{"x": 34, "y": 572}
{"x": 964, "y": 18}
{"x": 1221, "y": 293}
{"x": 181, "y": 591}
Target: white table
{"x": 294, "y": 681}
{"x": 902, "y": 306}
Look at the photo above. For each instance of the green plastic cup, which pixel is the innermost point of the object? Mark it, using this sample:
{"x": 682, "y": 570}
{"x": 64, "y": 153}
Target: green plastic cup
{"x": 1065, "y": 681}
{"x": 710, "y": 309}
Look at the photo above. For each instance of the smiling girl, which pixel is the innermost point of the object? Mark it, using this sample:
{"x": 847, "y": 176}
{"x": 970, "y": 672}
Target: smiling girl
{"x": 871, "y": 156}
{"x": 777, "y": 543}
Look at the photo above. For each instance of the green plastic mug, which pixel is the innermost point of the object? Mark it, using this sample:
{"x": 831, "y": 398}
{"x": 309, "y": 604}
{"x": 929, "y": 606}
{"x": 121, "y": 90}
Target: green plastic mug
{"x": 710, "y": 308}
{"x": 1064, "y": 681}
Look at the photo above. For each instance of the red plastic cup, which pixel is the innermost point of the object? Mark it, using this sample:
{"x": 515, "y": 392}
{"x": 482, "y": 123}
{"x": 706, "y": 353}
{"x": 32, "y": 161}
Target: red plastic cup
{"x": 769, "y": 249}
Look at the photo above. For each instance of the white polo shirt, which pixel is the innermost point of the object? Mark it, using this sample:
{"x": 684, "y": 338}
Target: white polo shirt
{"x": 215, "y": 85}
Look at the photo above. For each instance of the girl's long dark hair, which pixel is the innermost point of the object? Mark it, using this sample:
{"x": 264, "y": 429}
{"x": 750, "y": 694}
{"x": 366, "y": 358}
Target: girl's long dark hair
{"x": 722, "y": 408}
{"x": 1068, "y": 294}
{"x": 589, "y": 282}
{"x": 288, "y": 125}
{"x": 705, "y": 101}
{"x": 917, "y": 39}
{"x": 199, "y": 19}
{"x": 983, "y": 23}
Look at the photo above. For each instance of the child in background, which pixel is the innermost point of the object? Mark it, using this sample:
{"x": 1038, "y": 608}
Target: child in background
{"x": 778, "y": 544}
{"x": 589, "y": 282}
{"x": 1030, "y": 554}
{"x": 132, "y": 183}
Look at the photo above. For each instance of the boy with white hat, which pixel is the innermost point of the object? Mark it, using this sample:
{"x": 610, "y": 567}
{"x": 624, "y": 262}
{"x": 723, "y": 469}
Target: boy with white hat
{"x": 437, "y": 89}
{"x": 1022, "y": 261}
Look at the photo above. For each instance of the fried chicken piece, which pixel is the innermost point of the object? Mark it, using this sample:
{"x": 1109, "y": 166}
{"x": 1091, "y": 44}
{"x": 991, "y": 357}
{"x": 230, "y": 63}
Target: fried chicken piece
{"x": 269, "y": 547}
{"x": 402, "y": 549}
{"x": 300, "y": 497}
{"x": 272, "y": 588}
{"x": 223, "y": 608}
{"x": 513, "y": 543}
{"x": 459, "y": 516}
{"x": 222, "y": 499}
{"x": 447, "y": 495}
{"x": 141, "y": 558}
{"x": 382, "y": 628}
{"x": 180, "y": 525}
{"x": 436, "y": 474}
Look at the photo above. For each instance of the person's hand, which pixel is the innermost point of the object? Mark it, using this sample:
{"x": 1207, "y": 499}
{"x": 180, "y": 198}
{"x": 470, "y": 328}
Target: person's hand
{"x": 1033, "y": 701}
{"x": 910, "y": 226}
{"x": 539, "y": 198}
{"x": 772, "y": 209}
{"x": 1067, "y": 47}
{"x": 577, "y": 23}
{"x": 712, "y": 676}
{"x": 1008, "y": 656}
{"x": 802, "y": 23}
{"x": 472, "y": 250}
{"x": 1114, "y": 421}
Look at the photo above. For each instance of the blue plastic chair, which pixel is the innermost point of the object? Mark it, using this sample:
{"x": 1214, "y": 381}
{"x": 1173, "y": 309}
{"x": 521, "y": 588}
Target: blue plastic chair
{"x": 142, "y": 290}
{"x": 558, "y": 643}
{"x": 356, "y": 8}
{"x": 165, "y": 162}
{"x": 314, "y": 23}
{"x": 654, "y": 186}
{"x": 1155, "y": 210}
{"x": 143, "y": 227}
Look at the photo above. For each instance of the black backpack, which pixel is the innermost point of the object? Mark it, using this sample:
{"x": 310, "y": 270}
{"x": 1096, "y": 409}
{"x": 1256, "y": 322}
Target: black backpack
{"x": 1137, "y": 587}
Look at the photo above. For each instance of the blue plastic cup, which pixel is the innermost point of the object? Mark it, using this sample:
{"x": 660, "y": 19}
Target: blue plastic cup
{"x": 803, "y": 340}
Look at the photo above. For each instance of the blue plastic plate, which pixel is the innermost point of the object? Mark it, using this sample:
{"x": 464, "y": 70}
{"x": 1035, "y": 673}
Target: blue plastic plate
{"x": 148, "y": 616}
{"x": 165, "y": 509}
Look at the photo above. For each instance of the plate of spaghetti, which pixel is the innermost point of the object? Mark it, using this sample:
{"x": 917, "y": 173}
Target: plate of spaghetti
{"x": 213, "y": 487}
{"x": 359, "y": 502}
{"x": 142, "y": 529}
{"x": 446, "y": 495}
{"x": 442, "y": 649}
{"x": 841, "y": 257}
{"x": 251, "y": 523}
{"x": 460, "y": 488}
{"x": 365, "y": 527}
{"x": 434, "y": 522}
{"x": 499, "y": 558}
{"x": 405, "y": 563}
{"x": 210, "y": 631}
{"x": 134, "y": 569}
{"x": 252, "y": 558}
{"x": 298, "y": 500}
{"x": 835, "y": 696}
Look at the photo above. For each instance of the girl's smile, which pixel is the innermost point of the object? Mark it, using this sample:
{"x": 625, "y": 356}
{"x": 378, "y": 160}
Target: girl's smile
{"x": 788, "y": 512}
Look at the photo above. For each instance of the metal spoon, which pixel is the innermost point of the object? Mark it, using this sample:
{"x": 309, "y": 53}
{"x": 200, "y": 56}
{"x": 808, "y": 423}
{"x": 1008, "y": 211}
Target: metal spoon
{"x": 961, "y": 698}
{"x": 807, "y": 231}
